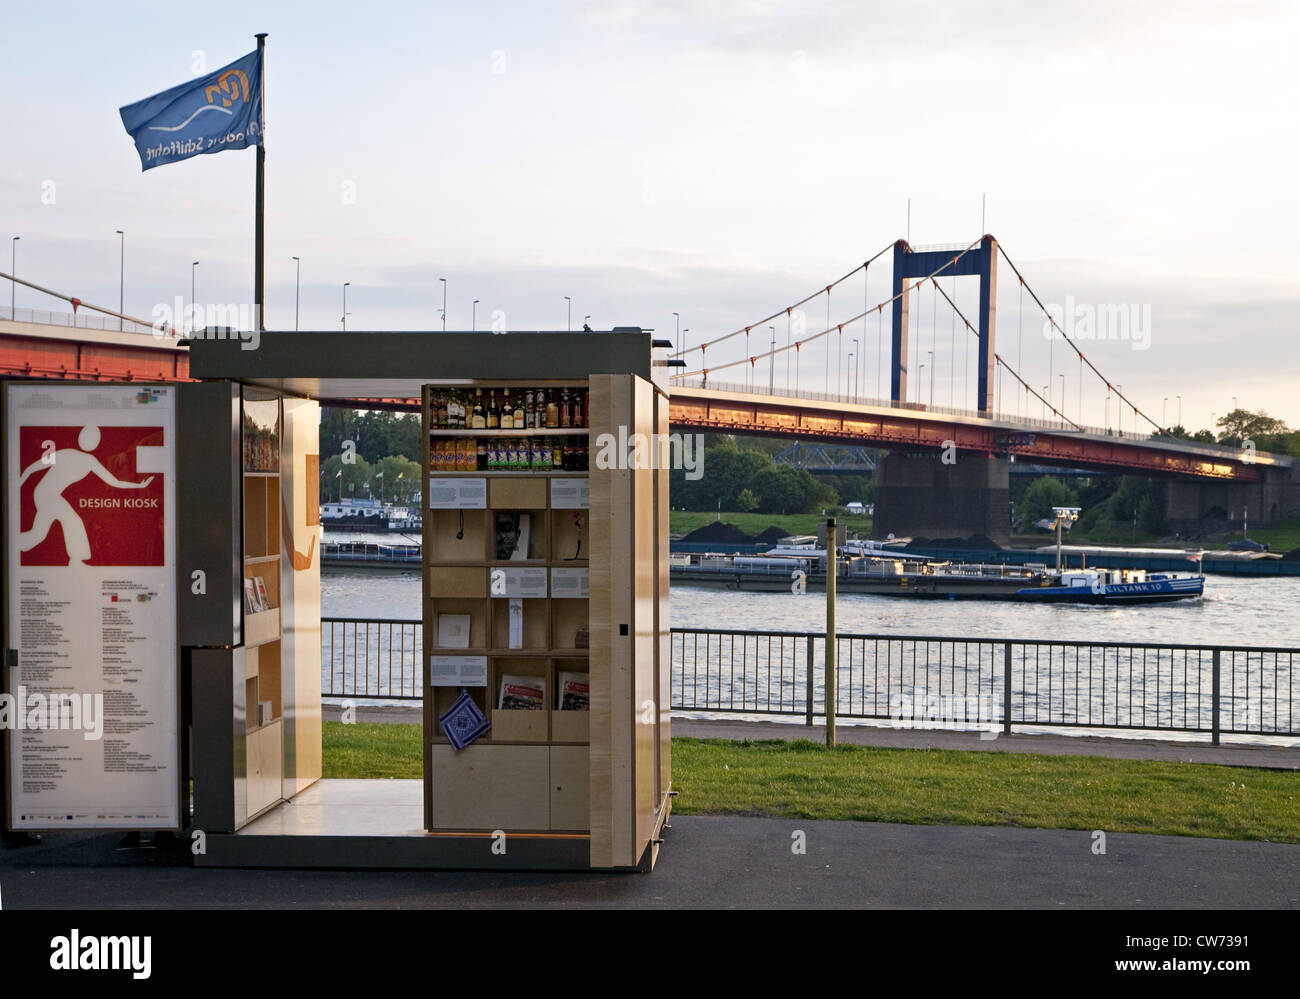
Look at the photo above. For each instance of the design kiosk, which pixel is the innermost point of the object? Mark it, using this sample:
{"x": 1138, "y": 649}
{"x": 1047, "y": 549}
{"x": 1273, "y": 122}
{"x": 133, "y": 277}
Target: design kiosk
{"x": 544, "y": 602}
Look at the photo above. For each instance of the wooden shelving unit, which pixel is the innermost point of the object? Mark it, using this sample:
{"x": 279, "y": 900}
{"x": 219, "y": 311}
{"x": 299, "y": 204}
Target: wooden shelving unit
{"x": 529, "y": 771}
{"x": 262, "y": 631}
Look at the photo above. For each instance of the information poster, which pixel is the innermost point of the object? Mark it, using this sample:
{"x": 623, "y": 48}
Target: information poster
{"x": 90, "y": 708}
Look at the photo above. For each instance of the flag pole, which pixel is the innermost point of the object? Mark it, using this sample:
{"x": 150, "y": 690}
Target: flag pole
{"x": 259, "y": 238}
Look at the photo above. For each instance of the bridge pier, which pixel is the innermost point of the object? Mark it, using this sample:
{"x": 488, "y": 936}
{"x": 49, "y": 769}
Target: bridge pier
{"x": 1197, "y": 506}
{"x": 919, "y": 495}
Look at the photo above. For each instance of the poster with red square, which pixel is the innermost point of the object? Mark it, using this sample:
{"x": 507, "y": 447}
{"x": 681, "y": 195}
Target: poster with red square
{"x": 85, "y": 499}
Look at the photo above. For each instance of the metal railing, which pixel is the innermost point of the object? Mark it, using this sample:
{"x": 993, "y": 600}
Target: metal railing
{"x": 987, "y": 683}
{"x": 80, "y": 320}
{"x": 371, "y": 657}
{"x": 917, "y": 682}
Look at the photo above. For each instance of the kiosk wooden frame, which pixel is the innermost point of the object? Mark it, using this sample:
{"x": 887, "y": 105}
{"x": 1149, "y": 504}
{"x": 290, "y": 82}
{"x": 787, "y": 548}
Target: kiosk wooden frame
{"x": 566, "y": 794}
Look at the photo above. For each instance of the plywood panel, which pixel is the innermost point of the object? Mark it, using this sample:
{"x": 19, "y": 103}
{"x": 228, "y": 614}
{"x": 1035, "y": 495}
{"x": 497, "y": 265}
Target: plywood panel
{"x": 491, "y": 787}
{"x": 569, "y": 787}
{"x": 612, "y": 764}
{"x": 663, "y": 661}
{"x": 457, "y": 581}
{"x": 645, "y": 692}
{"x": 517, "y": 494}
{"x": 298, "y": 698}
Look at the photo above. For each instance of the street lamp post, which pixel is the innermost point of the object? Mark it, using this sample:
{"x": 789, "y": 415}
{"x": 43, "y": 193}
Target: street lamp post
{"x": 121, "y": 277}
{"x": 1164, "y": 406}
{"x": 297, "y": 284}
{"x": 345, "y": 305}
{"x": 444, "y": 304}
{"x": 193, "y": 306}
{"x": 13, "y": 270}
{"x": 852, "y": 362}
{"x": 1180, "y": 409}
{"x": 473, "y": 317}
{"x": 568, "y": 320}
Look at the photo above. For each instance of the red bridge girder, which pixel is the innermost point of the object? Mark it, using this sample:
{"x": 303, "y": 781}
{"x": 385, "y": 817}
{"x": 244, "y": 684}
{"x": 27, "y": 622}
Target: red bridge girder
{"x": 75, "y": 360}
{"x": 904, "y": 429}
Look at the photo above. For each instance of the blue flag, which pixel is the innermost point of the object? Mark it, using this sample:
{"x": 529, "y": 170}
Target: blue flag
{"x": 222, "y": 110}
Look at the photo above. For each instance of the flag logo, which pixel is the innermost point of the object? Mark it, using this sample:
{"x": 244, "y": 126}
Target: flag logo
{"x": 222, "y": 110}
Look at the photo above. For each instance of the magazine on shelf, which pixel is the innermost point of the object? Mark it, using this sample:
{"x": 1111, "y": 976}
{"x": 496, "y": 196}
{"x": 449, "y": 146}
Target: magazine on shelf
{"x": 250, "y": 596}
{"x": 263, "y": 601}
{"x": 522, "y": 693}
{"x": 575, "y": 691}
{"x": 453, "y": 631}
{"x": 513, "y": 536}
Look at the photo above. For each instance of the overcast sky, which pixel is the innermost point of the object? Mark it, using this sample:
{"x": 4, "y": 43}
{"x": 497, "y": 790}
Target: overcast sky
{"x": 717, "y": 159}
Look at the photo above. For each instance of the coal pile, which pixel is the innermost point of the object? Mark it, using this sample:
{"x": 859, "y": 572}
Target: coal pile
{"x": 715, "y": 532}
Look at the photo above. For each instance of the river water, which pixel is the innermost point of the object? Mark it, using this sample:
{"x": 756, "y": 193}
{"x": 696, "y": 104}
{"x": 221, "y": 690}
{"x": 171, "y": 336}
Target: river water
{"x": 1234, "y": 611}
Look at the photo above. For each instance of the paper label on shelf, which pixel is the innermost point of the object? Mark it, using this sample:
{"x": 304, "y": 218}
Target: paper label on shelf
{"x": 91, "y": 588}
{"x": 512, "y": 582}
{"x": 458, "y": 671}
{"x": 571, "y": 583}
{"x": 458, "y": 494}
{"x": 570, "y": 494}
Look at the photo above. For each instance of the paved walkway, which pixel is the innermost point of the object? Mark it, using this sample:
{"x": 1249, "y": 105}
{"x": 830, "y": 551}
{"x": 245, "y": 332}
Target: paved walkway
{"x": 714, "y": 862}
{"x": 1185, "y": 750}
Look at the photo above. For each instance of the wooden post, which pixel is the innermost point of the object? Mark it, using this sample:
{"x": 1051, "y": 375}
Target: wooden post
{"x": 830, "y": 630}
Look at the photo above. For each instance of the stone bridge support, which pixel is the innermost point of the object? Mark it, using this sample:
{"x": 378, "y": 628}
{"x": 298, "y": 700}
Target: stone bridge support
{"x": 918, "y": 495}
{"x": 1198, "y": 506}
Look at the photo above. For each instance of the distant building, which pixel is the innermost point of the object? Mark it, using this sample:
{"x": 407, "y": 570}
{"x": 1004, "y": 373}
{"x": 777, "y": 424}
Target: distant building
{"x": 855, "y": 508}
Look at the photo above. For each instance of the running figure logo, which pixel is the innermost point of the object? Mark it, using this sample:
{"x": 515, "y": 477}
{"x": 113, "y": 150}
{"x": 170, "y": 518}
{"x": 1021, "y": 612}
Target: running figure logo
{"x": 84, "y": 497}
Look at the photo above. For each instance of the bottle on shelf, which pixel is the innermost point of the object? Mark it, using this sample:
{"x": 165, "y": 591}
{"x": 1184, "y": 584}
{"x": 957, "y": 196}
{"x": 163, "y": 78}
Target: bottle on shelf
{"x": 478, "y": 418}
{"x": 520, "y": 422}
{"x": 480, "y": 457}
{"x": 566, "y": 408}
{"x": 529, "y": 416}
{"x": 552, "y": 410}
{"x": 493, "y": 413}
{"x": 440, "y": 412}
{"x": 507, "y": 412}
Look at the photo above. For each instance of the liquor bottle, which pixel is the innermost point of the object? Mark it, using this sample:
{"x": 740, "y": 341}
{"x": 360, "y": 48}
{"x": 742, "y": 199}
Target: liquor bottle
{"x": 552, "y": 410}
{"x": 493, "y": 413}
{"x": 478, "y": 419}
{"x": 507, "y": 412}
{"x": 440, "y": 412}
{"x": 481, "y": 457}
{"x": 519, "y": 413}
{"x": 566, "y": 408}
{"x": 557, "y": 456}
{"x": 456, "y": 418}
{"x": 529, "y": 421}
{"x": 584, "y": 422}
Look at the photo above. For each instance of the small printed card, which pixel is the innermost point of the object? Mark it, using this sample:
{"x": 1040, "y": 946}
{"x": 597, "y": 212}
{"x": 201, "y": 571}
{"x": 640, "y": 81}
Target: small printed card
{"x": 463, "y": 722}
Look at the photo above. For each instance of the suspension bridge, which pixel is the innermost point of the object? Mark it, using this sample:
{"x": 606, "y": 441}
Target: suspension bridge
{"x": 947, "y": 470}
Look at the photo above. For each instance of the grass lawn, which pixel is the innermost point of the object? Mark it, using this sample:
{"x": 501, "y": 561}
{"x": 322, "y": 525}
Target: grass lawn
{"x": 1282, "y": 539}
{"x": 927, "y": 787}
{"x": 685, "y": 521}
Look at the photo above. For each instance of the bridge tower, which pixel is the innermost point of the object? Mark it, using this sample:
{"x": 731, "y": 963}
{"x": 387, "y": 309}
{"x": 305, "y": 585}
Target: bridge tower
{"x": 908, "y": 264}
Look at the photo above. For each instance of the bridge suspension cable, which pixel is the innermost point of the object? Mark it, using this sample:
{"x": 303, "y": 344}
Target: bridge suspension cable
{"x": 831, "y": 328}
{"x": 786, "y": 311}
{"x": 998, "y": 357}
{"x": 1082, "y": 357}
